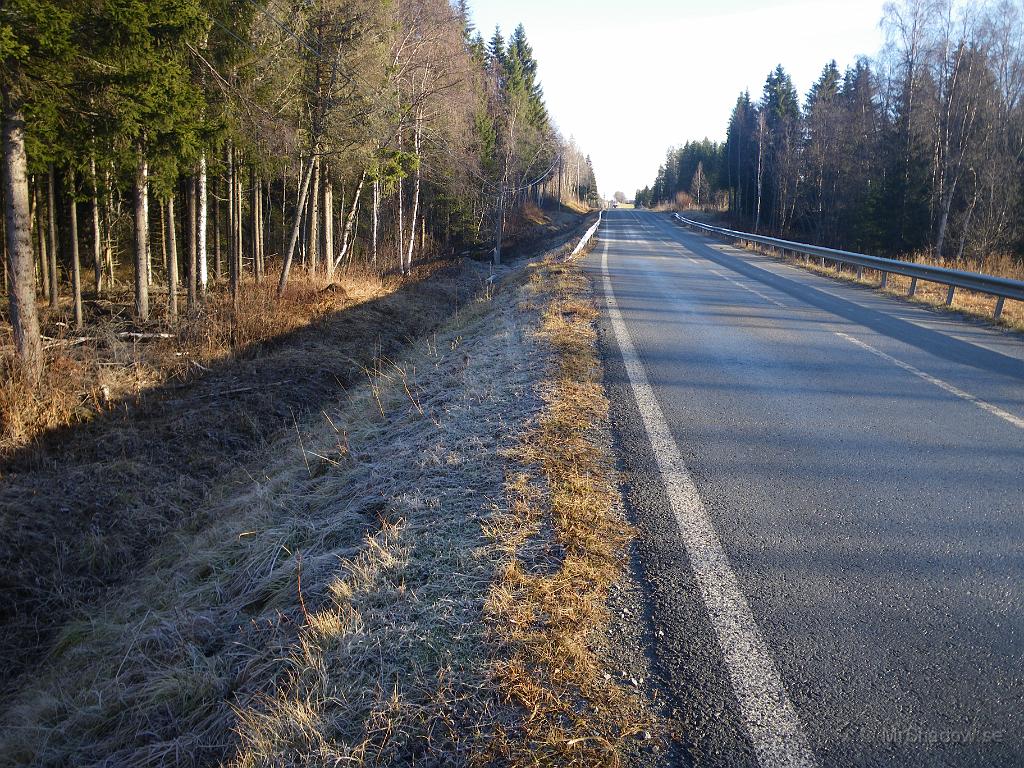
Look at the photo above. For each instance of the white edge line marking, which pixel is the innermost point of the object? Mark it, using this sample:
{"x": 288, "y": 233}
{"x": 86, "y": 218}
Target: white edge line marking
{"x": 752, "y": 290}
{"x": 676, "y": 244}
{"x": 767, "y": 713}
{"x": 944, "y": 385}
{"x": 828, "y": 282}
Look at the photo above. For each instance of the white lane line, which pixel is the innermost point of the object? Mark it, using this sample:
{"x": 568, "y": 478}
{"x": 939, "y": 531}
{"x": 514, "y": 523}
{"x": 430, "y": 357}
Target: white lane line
{"x": 767, "y": 713}
{"x": 738, "y": 284}
{"x": 995, "y": 410}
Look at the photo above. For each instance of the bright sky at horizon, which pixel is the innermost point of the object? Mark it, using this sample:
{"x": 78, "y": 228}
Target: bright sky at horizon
{"x": 627, "y": 81}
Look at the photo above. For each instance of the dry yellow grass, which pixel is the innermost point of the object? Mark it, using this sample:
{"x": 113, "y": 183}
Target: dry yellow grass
{"x": 90, "y": 371}
{"x": 562, "y": 547}
{"x": 576, "y": 206}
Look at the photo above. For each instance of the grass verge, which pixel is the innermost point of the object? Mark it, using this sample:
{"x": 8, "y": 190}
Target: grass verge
{"x": 408, "y": 569}
{"x": 562, "y": 547}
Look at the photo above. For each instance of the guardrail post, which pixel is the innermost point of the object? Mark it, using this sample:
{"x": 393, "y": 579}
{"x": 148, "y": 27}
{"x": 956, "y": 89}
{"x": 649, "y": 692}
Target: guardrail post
{"x": 885, "y": 281}
{"x": 999, "y": 307}
{"x": 949, "y": 295}
{"x": 860, "y": 272}
{"x": 913, "y": 288}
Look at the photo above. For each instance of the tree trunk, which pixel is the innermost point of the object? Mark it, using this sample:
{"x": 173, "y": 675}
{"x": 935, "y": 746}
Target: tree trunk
{"x": 264, "y": 201}
{"x": 21, "y": 288}
{"x": 400, "y": 233}
{"x": 355, "y": 237}
{"x": 149, "y": 242}
{"x": 376, "y": 221}
{"x": 499, "y": 223}
{"x": 415, "y": 198}
{"x": 946, "y": 204}
{"x": 97, "y": 232}
{"x": 559, "y": 182}
{"x": 329, "y": 225}
{"x": 232, "y": 266}
{"x": 204, "y": 271}
{"x": 314, "y": 219}
{"x": 239, "y": 269}
{"x": 284, "y": 215}
{"x": 760, "y": 170}
{"x": 259, "y": 234}
{"x": 141, "y": 237}
{"x": 44, "y": 258}
{"x": 163, "y": 232}
{"x": 52, "y": 211}
{"x": 346, "y": 238}
{"x": 296, "y": 226}
{"x": 172, "y": 261}
{"x": 76, "y": 264}
{"x": 267, "y": 215}
{"x": 108, "y": 245}
{"x": 254, "y": 223}
{"x": 193, "y": 244}
{"x": 216, "y": 231}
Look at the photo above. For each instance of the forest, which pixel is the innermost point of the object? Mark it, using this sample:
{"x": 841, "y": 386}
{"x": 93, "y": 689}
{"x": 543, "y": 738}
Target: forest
{"x": 918, "y": 152}
{"x": 159, "y": 155}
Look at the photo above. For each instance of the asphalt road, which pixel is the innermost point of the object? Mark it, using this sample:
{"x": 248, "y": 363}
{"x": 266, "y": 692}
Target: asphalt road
{"x": 829, "y": 488}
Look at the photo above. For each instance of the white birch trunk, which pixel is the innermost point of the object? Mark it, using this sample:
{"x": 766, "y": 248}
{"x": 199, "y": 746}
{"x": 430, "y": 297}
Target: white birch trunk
{"x": 204, "y": 269}
{"x": 172, "y": 261}
{"x": 415, "y": 198}
{"x": 97, "y": 257}
{"x": 141, "y": 237}
{"x": 347, "y": 236}
{"x": 376, "y": 221}
{"x": 76, "y": 263}
{"x": 303, "y": 191}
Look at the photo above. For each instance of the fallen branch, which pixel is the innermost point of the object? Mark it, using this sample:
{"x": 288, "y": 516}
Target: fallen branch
{"x": 143, "y": 336}
{"x": 67, "y": 342}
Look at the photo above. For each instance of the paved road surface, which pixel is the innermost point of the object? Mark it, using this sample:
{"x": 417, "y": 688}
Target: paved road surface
{"x": 831, "y": 513}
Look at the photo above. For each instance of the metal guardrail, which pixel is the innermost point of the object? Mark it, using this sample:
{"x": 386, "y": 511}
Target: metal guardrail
{"x": 1001, "y": 287}
{"x": 587, "y": 236}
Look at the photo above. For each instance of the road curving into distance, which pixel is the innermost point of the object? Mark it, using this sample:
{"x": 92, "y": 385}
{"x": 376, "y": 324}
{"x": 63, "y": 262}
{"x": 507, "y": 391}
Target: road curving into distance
{"x": 829, "y": 488}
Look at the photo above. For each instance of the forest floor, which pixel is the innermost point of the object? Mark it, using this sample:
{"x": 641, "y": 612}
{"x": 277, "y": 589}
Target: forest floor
{"x": 971, "y": 303}
{"x": 386, "y": 537}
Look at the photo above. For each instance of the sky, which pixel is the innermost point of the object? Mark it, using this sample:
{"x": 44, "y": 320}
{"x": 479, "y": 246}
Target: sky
{"x": 629, "y": 79}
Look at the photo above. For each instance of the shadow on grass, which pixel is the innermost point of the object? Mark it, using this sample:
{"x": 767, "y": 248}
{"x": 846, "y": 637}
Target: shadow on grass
{"x": 88, "y": 505}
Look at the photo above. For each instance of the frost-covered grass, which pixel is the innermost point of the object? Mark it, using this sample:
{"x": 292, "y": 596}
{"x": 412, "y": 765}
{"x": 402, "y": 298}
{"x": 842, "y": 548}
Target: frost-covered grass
{"x": 411, "y": 571}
